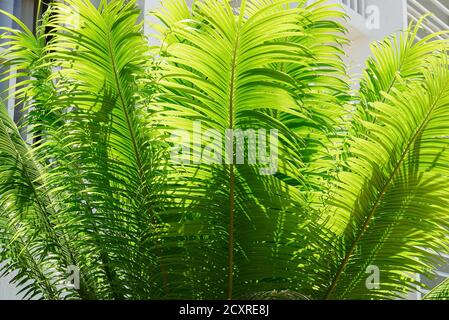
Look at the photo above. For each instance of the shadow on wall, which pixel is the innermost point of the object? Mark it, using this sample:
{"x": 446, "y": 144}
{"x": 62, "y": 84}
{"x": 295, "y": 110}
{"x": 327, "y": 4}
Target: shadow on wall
{"x": 8, "y": 291}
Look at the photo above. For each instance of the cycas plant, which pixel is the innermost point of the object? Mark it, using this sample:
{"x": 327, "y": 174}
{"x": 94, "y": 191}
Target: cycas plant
{"x": 345, "y": 182}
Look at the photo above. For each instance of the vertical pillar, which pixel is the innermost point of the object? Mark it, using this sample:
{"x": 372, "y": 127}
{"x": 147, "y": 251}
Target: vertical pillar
{"x": 7, "y": 6}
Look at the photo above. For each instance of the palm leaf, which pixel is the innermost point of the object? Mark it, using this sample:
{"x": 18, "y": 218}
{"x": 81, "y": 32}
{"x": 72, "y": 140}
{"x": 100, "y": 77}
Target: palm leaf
{"x": 391, "y": 202}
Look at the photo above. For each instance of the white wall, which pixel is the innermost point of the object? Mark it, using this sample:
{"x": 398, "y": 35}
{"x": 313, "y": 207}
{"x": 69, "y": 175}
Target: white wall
{"x": 7, "y": 290}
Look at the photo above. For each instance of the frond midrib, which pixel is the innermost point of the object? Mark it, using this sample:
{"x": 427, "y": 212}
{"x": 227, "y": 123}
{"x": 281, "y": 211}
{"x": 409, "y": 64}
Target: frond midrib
{"x": 136, "y": 150}
{"x": 43, "y": 212}
{"x": 232, "y": 89}
{"x": 380, "y": 197}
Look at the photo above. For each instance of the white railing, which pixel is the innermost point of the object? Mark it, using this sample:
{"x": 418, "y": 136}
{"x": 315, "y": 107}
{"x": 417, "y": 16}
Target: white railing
{"x": 438, "y": 20}
{"x": 358, "y": 6}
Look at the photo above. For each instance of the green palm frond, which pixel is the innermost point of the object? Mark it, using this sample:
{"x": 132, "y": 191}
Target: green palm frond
{"x": 396, "y": 62}
{"x": 244, "y": 72}
{"x": 440, "y": 292}
{"x": 29, "y": 221}
{"x": 391, "y": 202}
{"x": 107, "y": 135}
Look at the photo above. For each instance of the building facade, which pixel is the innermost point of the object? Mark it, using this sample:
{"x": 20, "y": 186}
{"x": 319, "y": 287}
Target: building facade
{"x": 369, "y": 20}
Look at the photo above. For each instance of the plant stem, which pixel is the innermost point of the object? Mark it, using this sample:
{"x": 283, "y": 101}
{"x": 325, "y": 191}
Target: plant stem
{"x": 231, "y": 236}
{"x": 231, "y": 232}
